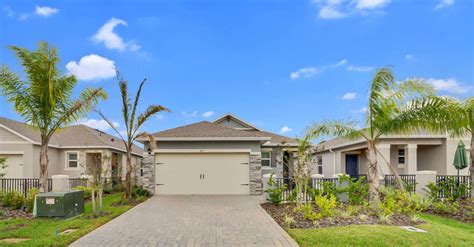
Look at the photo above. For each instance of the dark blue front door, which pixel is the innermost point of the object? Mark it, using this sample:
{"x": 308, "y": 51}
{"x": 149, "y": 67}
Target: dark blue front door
{"x": 351, "y": 165}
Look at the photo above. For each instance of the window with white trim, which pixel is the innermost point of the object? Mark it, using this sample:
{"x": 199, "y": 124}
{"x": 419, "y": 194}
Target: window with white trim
{"x": 401, "y": 156}
{"x": 266, "y": 159}
{"x": 72, "y": 161}
{"x": 319, "y": 161}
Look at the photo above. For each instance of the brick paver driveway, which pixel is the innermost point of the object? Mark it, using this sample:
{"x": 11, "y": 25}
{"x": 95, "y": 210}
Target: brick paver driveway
{"x": 191, "y": 221}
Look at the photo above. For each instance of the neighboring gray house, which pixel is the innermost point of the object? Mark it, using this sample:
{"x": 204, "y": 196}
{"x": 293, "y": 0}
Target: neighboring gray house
{"x": 71, "y": 150}
{"x": 226, "y": 156}
{"x": 407, "y": 155}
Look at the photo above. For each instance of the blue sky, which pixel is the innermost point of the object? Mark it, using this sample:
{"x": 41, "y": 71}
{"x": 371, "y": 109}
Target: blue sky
{"x": 280, "y": 65}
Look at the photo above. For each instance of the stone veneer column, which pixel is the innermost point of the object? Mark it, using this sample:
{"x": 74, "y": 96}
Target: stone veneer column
{"x": 255, "y": 176}
{"x": 148, "y": 179}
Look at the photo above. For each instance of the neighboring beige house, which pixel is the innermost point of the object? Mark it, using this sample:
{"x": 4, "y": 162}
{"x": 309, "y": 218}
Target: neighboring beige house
{"x": 226, "y": 156}
{"x": 419, "y": 152}
{"x": 71, "y": 150}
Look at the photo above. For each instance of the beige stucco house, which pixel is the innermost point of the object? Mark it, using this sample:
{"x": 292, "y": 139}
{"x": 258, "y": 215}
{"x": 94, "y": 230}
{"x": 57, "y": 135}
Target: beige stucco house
{"x": 226, "y": 156}
{"x": 406, "y": 154}
{"x": 71, "y": 150}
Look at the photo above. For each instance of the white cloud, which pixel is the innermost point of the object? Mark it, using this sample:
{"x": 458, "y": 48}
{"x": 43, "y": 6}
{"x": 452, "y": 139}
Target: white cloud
{"x": 330, "y": 12}
{"x": 359, "y": 68}
{"x": 160, "y": 116}
{"x": 208, "y": 114}
{"x": 92, "y": 67}
{"x": 45, "y": 11}
{"x": 111, "y": 39}
{"x": 371, "y": 4}
{"x": 341, "y": 63}
{"x": 100, "y": 124}
{"x": 444, "y": 4}
{"x": 337, "y": 9}
{"x": 450, "y": 85}
{"x": 189, "y": 115}
{"x": 285, "y": 129}
{"x": 304, "y": 72}
{"x": 409, "y": 57}
{"x": 349, "y": 96}
{"x": 8, "y": 11}
{"x": 360, "y": 110}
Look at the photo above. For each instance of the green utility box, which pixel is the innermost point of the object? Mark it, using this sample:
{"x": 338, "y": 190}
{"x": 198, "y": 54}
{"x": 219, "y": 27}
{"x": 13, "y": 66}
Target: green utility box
{"x": 60, "y": 204}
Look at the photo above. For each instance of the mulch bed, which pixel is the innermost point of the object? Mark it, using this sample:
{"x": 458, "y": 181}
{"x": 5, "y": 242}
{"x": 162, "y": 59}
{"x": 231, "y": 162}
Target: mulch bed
{"x": 14, "y": 213}
{"x": 279, "y": 212}
{"x": 465, "y": 212}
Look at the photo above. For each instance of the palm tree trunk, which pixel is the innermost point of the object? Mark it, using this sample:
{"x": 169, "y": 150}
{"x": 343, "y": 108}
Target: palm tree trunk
{"x": 43, "y": 179}
{"x": 128, "y": 176}
{"x": 372, "y": 173}
{"x": 472, "y": 164}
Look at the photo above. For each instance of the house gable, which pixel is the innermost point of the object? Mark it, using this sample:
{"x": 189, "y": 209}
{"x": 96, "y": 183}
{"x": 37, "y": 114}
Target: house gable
{"x": 234, "y": 122}
{"x": 7, "y": 135}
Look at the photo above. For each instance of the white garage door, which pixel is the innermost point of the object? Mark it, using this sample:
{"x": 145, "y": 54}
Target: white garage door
{"x": 14, "y": 164}
{"x": 199, "y": 173}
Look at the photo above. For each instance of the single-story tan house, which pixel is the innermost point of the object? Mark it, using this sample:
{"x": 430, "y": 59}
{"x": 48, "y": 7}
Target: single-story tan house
{"x": 71, "y": 150}
{"x": 226, "y": 156}
{"x": 406, "y": 154}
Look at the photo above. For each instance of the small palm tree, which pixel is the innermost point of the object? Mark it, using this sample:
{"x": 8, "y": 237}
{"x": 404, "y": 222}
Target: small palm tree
{"x": 393, "y": 108}
{"x": 132, "y": 125}
{"x": 456, "y": 117}
{"x": 43, "y": 98}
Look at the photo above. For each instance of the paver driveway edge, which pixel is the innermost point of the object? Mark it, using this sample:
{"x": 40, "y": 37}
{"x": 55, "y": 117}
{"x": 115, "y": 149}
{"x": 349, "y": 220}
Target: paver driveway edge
{"x": 291, "y": 241}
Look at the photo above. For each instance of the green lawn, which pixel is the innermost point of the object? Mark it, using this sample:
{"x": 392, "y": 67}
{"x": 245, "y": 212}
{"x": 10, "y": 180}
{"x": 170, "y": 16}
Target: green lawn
{"x": 42, "y": 231}
{"x": 441, "y": 232}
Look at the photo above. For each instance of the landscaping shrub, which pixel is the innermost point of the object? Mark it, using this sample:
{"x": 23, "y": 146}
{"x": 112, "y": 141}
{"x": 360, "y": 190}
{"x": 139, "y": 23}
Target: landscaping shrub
{"x": 138, "y": 191}
{"x": 450, "y": 188}
{"x": 326, "y": 205}
{"x": 13, "y": 199}
{"x": 275, "y": 192}
{"x": 357, "y": 190}
{"x": 118, "y": 188}
{"x": 30, "y": 199}
{"x": 397, "y": 201}
{"x": 313, "y": 193}
{"x": 107, "y": 190}
{"x": 446, "y": 207}
{"x": 329, "y": 189}
{"x": 293, "y": 195}
{"x": 87, "y": 191}
{"x": 2, "y": 213}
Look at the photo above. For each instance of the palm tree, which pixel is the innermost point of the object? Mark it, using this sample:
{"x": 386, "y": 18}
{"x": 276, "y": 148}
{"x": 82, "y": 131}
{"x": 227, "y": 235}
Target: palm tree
{"x": 43, "y": 98}
{"x": 457, "y": 118}
{"x": 132, "y": 125}
{"x": 393, "y": 108}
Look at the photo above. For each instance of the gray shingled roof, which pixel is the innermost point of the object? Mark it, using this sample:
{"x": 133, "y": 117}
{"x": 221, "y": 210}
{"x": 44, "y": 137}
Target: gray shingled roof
{"x": 76, "y": 135}
{"x": 206, "y": 129}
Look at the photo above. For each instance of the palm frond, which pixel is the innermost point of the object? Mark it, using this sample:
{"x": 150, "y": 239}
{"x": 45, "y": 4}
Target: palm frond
{"x": 125, "y": 100}
{"x": 86, "y": 102}
{"x": 150, "y": 137}
{"x": 150, "y": 111}
{"x": 135, "y": 103}
{"x": 344, "y": 129}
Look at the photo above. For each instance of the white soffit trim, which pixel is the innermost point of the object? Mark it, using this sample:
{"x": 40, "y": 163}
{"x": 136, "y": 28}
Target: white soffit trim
{"x": 202, "y": 151}
{"x": 16, "y": 133}
{"x": 212, "y": 138}
{"x": 279, "y": 144}
{"x": 11, "y": 152}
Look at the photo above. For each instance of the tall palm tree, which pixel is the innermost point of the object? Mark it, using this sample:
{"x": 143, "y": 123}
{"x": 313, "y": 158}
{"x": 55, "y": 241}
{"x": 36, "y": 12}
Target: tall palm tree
{"x": 393, "y": 108}
{"x": 43, "y": 97}
{"x": 132, "y": 125}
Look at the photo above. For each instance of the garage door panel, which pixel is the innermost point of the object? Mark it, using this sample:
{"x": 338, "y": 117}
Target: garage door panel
{"x": 202, "y": 173}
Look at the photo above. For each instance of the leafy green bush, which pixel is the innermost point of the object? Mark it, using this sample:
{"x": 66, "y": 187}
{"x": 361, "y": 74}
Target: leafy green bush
{"x": 397, "y": 201}
{"x": 13, "y": 199}
{"x": 30, "y": 199}
{"x": 293, "y": 195}
{"x": 138, "y": 191}
{"x": 329, "y": 189}
{"x": 2, "y": 213}
{"x": 107, "y": 190}
{"x": 326, "y": 205}
{"x": 357, "y": 190}
{"x": 450, "y": 188}
{"x": 313, "y": 193}
{"x": 446, "y": 207}
{"x": 118, "y": 188}
{"x": 275, "y": 192}
{"x": 87, "y": 191}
